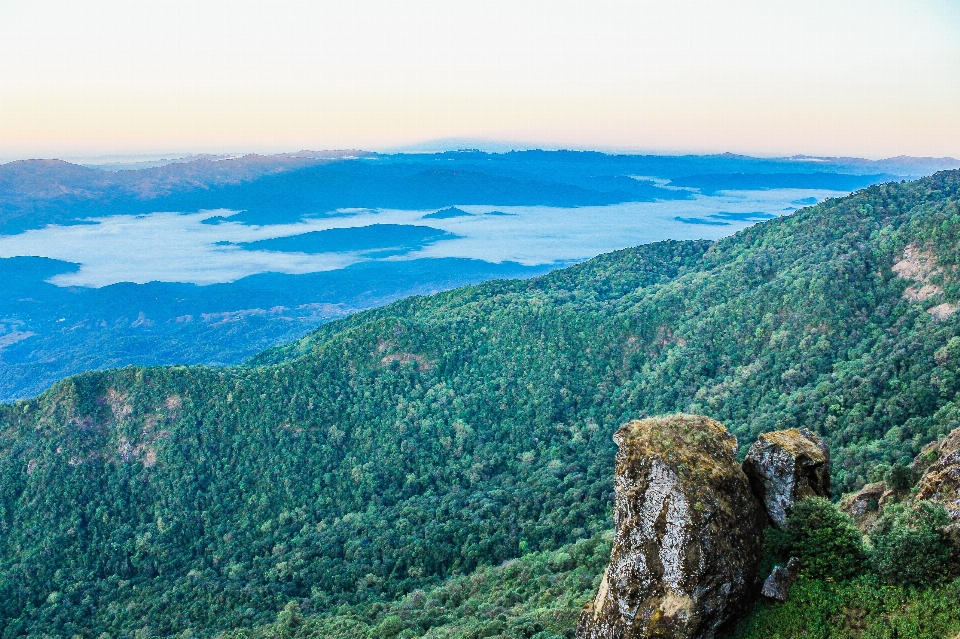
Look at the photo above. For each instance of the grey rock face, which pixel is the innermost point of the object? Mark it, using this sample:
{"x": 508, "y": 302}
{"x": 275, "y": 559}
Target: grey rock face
{"x": 785, "y": 466}
{"x": 688, "y": 534}
{"x": 778, "y": 584}
{"x": 864, "y": 500}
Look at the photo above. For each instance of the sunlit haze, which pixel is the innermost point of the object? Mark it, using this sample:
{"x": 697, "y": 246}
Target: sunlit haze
{"x": 871, "y": 78}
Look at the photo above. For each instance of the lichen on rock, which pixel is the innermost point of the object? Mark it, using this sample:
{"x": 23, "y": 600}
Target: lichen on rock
{"x": 687, "y": 534}
{"x": 785, "y": 466}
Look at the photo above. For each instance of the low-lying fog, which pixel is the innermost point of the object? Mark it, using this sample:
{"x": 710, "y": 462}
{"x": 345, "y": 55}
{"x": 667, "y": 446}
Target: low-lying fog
{"x": 207, "y": 248}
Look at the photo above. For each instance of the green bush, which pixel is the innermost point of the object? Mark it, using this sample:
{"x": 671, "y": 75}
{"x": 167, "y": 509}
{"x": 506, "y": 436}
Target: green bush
{"x": 908, "y": 547}
{"x": 862, "y": 608}
{"x": 824, "y": 539}
{"x": 900, "y": 477}
{"x": 539, "y": 596}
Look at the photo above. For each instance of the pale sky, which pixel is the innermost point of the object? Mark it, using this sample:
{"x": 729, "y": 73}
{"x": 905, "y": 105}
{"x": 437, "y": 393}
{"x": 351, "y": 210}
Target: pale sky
{"x": 871, "y": 78}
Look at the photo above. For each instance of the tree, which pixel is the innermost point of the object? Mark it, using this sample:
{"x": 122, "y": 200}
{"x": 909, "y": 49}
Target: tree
{"x": 825, "y": 540}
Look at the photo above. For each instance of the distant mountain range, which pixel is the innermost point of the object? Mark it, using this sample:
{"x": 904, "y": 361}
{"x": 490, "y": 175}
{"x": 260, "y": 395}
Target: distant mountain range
{"x": 310, "y": 236}
{"x": 34, "y": 193}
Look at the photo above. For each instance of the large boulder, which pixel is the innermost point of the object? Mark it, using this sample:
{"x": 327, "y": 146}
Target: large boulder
{"x": 941, "y": 481}
{"x": 688, "y": 534}
{"x": 784, "y": 466}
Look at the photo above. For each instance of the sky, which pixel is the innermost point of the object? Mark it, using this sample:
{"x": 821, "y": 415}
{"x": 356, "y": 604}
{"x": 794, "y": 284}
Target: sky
{"x": 865, "y": 78}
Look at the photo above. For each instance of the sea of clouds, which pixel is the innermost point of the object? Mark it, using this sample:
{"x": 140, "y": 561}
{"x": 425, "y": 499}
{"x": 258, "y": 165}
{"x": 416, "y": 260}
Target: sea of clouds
{"x": 180, "y": 247}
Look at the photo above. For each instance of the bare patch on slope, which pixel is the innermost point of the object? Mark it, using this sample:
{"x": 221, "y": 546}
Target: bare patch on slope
{"x": 14, "y": 337}
{"x": 921, "y": 266}
{"x": 942, "y": 311}
{"x": 405, "y": 358}
{"x": 118, "y": 404}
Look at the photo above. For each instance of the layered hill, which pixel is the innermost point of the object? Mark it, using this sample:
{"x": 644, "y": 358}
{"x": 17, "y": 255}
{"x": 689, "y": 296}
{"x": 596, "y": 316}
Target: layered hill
{"x": 270, "y": 189}
{"x": 433, "y": 437}
{"x": 209, "y": 260}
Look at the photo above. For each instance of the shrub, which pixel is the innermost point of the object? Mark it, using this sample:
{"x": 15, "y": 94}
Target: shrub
{"x": 825, "y": 540}
{"x": 900, "y": 477}
{"x": 908, "y": 547}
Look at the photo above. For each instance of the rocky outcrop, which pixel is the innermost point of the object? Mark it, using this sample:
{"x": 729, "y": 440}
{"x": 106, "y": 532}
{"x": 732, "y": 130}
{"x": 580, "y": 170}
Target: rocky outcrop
{"x": 950, "y": 443}
{"x": 863, "y": 506}
{"x": 778, "y": 584}
{"x": 688, "y": 534}
{"x": 785, "y": 466}
{"x": 934, "y": 451}
{"x": 941, "y": 481}
{"x": 952, "y": 533}
{"x": 938, "y": 465}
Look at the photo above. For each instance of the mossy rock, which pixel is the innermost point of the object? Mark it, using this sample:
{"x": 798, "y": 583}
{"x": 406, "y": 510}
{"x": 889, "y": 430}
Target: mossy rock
{"x": 687, "y": 534}
{"x": 786, "y": 466}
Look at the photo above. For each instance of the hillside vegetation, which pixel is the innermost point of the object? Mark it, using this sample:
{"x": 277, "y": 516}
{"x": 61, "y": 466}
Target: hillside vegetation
{"x": 540, "y": 596}
{"x": 397, "y": 450}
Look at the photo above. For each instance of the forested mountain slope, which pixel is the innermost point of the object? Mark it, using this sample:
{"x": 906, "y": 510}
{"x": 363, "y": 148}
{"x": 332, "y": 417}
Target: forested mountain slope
{"x": 426, "y": 438}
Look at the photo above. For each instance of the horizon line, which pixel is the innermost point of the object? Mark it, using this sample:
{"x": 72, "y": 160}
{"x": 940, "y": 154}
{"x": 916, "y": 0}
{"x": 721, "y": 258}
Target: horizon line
{"x": 429, "y": 147}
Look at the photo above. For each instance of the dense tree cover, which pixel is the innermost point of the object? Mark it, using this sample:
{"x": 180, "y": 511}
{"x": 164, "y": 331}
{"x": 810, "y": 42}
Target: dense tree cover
{"x": 539, "y": 595}
{"x": 536, "y": 597}
{"x": 70, "y": 330}
{"x": 435, "y": 436}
